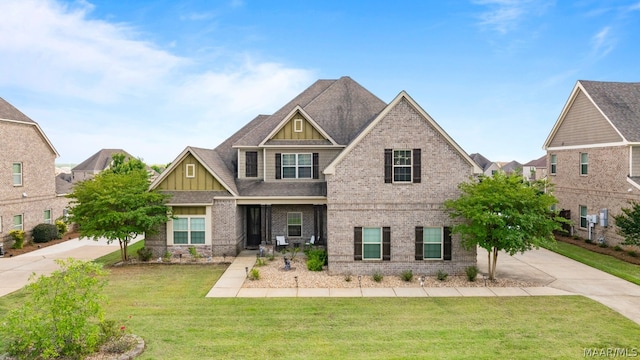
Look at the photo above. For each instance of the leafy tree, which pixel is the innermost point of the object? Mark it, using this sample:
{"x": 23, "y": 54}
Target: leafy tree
{"x": 117, "y": 204}
{"x": 628, "y": 224}
{"x": 504, "y": 212}
{"x": 62, "y": 316}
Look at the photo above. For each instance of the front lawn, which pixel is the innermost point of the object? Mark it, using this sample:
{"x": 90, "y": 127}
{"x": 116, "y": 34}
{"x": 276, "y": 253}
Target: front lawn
{"x": 167, "y": 307}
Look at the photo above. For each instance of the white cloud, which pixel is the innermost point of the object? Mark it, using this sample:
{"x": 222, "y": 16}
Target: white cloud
{"x": 602, "y": 42}
{"x": 504, "y": 16}
{"x": 113, "y": 88}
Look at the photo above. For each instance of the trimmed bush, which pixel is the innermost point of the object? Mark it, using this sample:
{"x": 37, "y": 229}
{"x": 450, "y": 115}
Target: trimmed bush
{"x": 18, "y": 238}
{"x": 377, "y": 277}
{"x": 472, "y": 272}
{"x": 316, "y": 259}
{"x": 62, "y": 227}
{"x": 315, "y": 264}
{"x": 407, "y": 275}
{"x": 144, "y": 254}
{"x": 442, "y": 275}
{"x": 43, "y": 233}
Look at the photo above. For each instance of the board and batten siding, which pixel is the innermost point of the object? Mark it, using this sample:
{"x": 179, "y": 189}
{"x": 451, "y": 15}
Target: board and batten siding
{"x": 325, "y": 156}
{"x": 584, "y": 124}
{"x": 177, "y": 179}
{"x": 308, "y": 132}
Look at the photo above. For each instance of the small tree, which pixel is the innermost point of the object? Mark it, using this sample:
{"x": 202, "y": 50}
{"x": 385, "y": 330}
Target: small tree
{"x": 504, "y": 212}
{"x": 628, "y": 224}
{"x": 62, "y": 315}
{"x": 117, "y": 204}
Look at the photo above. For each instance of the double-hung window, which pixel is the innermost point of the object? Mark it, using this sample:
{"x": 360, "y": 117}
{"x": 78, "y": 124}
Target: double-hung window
{"x": 554, "y": 164}
{"x": 17, "y": 222}
{"x": 402, "y": 166}
{"x": 432, "y": 243}
{"x": 583, "y": 216}
{"x": 371, "y": 243}
{"x": 584, "y": 163}
{"x": 17, "y": 174}
{"x": 47, "y": 216}
{"x": 296, "y": 166}
{"x": 251, "y": 164}
{"x": 294, "y": 224}
{"x": 188, "y": 230}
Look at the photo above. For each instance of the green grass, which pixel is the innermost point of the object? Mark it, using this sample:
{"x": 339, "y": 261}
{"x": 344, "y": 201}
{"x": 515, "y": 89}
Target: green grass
{"x": 611, "y": 265}
{"x": 166, "y": 305}
{"x": 115, "y": 257}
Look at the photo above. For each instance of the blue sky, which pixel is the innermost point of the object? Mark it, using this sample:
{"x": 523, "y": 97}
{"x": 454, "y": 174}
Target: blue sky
{"x": 153, "y": 77}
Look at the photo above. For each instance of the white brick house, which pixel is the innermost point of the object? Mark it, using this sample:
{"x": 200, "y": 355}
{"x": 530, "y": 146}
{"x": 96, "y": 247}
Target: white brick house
{"x": 366, "y": 179}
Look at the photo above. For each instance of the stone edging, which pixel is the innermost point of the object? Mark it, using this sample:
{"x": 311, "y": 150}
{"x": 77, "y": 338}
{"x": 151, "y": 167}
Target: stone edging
{"x": 135, "y": 352}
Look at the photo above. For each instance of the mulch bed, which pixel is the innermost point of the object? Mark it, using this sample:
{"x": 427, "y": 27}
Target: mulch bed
{"x": 33, "y": 246}
{"x": 618, "y": 254}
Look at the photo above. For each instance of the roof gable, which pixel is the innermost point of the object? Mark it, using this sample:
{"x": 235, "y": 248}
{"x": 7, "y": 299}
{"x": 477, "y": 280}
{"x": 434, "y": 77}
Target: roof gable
{"x": 209, "y": 173}
{"x": 298, "y": 126}
{"x": 402, "y": 96}
{"x": 9, "y": 113}
{"x": 101, "y": 160}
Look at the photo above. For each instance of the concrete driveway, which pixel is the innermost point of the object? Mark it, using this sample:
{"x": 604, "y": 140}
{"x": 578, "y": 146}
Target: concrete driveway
{"x": 16, "y": 271}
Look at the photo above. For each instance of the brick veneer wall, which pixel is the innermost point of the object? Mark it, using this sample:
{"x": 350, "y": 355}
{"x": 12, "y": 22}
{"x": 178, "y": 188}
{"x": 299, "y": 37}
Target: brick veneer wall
{"x": 23, "y": 143}
{"x": 358, "y": 196}
{"x": 605, "y": 186}
{"x": 224, "y": 219}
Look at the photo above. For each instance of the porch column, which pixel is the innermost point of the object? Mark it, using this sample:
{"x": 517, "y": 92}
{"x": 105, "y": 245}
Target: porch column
{"x": 318, "y": 226}
{"x": 267, "y": 217}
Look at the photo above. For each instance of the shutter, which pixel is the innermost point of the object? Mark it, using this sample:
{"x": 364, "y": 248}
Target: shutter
{"x": 447, "y": 243}
{"x": 316, "y": 166}
{"x": 357, "y": 243}
{"x": 251, "y": 164}
{"x": 386, "y": 243}
{"x": 417, "y": 176}
{"x": 388, "y": 166}
{"x": 419, "y": 243}
{"x": 278, "y": 166}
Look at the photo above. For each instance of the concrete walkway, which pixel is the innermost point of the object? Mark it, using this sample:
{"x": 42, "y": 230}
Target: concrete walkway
{"x": 561, "y": 275}
{"x": 15, "y": 271}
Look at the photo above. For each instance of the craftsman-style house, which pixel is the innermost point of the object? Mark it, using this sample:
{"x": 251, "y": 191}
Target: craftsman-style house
{"x": 365, "y": 179}
{"x": 28, "y": 194}
{"x": 593, "y": 154}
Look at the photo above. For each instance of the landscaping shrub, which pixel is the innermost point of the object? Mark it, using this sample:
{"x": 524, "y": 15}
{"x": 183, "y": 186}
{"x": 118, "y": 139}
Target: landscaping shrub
{"x": 347, "y": 277}
{"x": 617, "y": 248}
{"x": 62, "y": 316}
{"x": 314, "y": 264}
{"x": 62, "y": 227}
{"x": 144, "y": 254}
{"x": 632, "y": 253}
{"x": 377, "y": 277}
{"x": 441, "y": 275}
{"x": 18, "y": 238}
{"x": 254, "y": 274}
{"x": 472, "y": 272}
{"x": 43, "y": 233}
{"x": 407, "y": 275}
{"x": 316, "y": 259}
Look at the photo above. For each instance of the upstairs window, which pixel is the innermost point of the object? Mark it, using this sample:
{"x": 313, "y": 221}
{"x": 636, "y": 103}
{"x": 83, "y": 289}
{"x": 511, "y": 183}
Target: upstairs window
{"x": 251, "y": 164}
{"x": 297, "y": 125}
{"x": 584, "y": 163}
{"x": 17, "y": 174}
{"x": 297, "y": 166}
{"x": 402, "y": 166}
{"x": 190, "y": 170}
{"x": 553, "y": 163}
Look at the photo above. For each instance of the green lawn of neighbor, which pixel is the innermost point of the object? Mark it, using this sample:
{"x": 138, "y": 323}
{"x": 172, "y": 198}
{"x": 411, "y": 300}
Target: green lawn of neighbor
{"x": 166, "y": 305}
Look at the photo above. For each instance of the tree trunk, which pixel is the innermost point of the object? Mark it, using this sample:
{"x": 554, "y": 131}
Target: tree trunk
{"x": 495, "y": 263}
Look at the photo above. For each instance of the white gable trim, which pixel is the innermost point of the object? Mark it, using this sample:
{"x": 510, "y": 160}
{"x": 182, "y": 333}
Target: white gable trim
{"x": 179, "y": 160}
{"x": 288, "y": 118}
{"x": 44, "y": 136}
{"x": 330, "y": 170}
{"x": 567, "y": 106}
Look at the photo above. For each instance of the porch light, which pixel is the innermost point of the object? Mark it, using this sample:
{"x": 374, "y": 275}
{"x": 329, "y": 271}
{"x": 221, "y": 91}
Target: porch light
{"x": 224, "y": 257}
{"x": 246, "y": 270}
{"x": 484, "y": 277}
{"x": 360, "y": 281}
{"x": 296, "y": 277}
{"x": 422, "y": 281}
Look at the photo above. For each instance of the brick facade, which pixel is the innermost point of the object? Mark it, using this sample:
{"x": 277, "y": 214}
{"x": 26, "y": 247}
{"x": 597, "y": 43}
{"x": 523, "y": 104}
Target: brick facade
{"x": 23, "y": 143}
{"x": 605, "y": 186}
{"x": 357, "y": 195}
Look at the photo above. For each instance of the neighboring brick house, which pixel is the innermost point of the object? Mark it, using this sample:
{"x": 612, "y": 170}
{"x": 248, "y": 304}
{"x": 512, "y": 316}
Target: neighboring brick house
{"x": 490, "y": 167}
{"x": 366, "y": 179}
{"x": 593, "y": 154}
{"x": 535, "y": 169}
{"x": 28, "y": 194}
{"x": 95, "y": 164}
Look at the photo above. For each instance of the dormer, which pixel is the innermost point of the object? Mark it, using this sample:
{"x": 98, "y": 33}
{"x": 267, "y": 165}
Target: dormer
{"x": 298, "y": 128}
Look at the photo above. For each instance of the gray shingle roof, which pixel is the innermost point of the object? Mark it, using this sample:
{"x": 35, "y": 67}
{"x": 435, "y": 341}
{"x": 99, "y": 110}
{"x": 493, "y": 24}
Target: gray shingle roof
{"x": 9, "y": 112}
{"x": 193, "y": 197}
{"x": 63, "y": 184}
{"x": 482, "y": 161}
{"x": 100, "y": 160}
{"x": 540, "y": 162}
{"x": 262, "y": 188}
{"x": 620, "y": 102}
{"x": 212, "y": 159}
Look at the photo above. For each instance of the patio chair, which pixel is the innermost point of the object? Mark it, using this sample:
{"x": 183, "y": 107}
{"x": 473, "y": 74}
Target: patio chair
{"x": 311, "y": 241}
{"x": 281, "y": 241}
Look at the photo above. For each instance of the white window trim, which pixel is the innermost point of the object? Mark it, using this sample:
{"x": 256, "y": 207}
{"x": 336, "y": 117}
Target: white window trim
{"x": 13, "y": 174}
{"x": 394, "y": 167}
{"x": 21, "y": 222}
{"x": 301, "y": 223}
{"x": 441, "y": 243}
{"x": 296, "y": 166}
{"x": 381, "y": 241}
{"x": 190, "y": 171}
{"x": 45, "y": 218}
{"x": 584, "y": 164}
{"x": 297, "y": 125}
{"x": 586, "y": 221}
{"x": 553, "y": 165}
{"x": 207, "y": 228}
